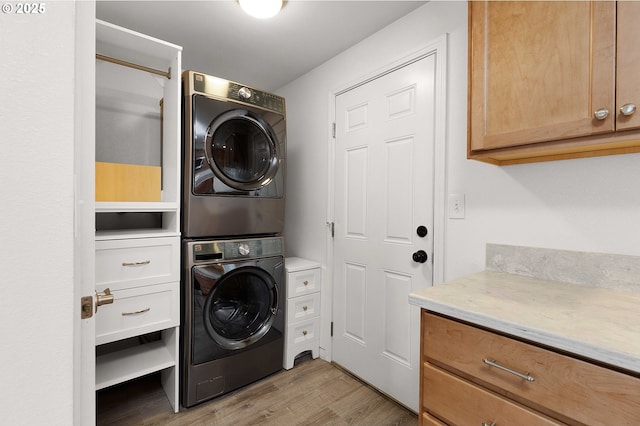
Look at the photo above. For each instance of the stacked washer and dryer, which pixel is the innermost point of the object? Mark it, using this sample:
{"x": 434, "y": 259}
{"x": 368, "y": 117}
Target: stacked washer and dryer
{"x": 232, "y": 249}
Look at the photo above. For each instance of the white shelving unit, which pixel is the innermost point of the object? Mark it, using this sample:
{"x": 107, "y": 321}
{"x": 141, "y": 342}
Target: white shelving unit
{"x": 137, "y": 242}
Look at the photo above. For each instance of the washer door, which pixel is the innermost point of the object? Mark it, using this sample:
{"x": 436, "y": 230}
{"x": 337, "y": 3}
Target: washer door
{"x": 241, "y": 150}
{"x": 241, "y": 307}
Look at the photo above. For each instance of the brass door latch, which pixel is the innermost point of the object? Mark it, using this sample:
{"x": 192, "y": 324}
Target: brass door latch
{"x": 86, "y": 303}
{"x": 104, "y": 299}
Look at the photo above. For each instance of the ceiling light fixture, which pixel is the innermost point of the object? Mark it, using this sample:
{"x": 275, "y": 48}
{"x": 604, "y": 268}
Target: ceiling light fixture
{"x": 262, "y": 9}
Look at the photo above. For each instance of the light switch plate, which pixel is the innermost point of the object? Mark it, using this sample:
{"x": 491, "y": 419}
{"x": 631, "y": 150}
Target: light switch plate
{"x": 456, "y": 206}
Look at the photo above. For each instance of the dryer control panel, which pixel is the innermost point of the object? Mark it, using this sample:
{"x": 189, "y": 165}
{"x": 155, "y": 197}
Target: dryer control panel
{"x": 226, "y": 89}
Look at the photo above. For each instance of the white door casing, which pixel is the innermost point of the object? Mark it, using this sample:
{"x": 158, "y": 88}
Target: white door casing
{"x": 388, "y": 179}
{"x": 84, "y": 382}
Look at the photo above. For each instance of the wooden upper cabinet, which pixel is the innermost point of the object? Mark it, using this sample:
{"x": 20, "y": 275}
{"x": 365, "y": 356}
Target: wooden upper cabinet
{"x": 544, "y": 83}
{"x": 628, "y": 65}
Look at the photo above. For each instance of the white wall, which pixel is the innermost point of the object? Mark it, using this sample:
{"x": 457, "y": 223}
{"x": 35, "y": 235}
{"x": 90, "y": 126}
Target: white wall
{"x": 36, "y": 254}
{"x": 582, "y": 204}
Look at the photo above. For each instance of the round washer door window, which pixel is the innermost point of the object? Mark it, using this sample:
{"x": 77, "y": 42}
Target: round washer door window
{"x": 241, "y": 307}
{"x": 241, "y": 150}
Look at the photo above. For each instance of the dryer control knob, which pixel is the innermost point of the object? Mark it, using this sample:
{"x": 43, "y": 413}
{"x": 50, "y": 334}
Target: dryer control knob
{"x": 244, "y": 92}
{"x": 243, "y": 249}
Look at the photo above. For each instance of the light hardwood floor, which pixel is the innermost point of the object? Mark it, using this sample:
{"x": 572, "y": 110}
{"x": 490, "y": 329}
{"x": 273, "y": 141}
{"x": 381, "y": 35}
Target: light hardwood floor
{"x": 314, "y": 392}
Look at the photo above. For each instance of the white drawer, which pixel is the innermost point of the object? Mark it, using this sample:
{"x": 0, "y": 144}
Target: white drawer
{"x": 303, "y": 307}
{"x": 131, "y": 263}
{"x": 138, "y": 311}
{"x": 302, "y": 333}
{"x": 303, "y": 282}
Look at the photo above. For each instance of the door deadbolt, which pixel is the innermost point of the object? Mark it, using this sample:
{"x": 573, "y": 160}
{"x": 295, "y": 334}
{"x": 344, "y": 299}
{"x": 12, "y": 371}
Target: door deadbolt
{"x": 422, "y": 231}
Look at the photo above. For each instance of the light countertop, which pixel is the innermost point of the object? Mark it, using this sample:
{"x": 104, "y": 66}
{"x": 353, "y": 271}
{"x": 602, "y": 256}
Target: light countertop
{"x": 602, "y": 324}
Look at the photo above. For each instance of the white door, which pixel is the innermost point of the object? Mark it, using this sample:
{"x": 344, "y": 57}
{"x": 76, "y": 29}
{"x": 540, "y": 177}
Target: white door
{"x": 383, "y": 188}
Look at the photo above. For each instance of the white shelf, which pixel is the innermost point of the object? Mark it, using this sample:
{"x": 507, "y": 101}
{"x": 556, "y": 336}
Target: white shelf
{"x": 134, "y": 234}
{"x": 137, "y": 207}
{"x": 127, "y": 364}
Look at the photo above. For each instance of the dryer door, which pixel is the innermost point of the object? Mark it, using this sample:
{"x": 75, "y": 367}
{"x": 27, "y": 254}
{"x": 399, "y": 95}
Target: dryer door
{"x": 240, "y": 307}
{"x": 241, "y": 149}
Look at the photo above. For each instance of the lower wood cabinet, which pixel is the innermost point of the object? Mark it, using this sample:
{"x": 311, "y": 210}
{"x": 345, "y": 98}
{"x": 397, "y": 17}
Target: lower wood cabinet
{"x": 474, "y": 376}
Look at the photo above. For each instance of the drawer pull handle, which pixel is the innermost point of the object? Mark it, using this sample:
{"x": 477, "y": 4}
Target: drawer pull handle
{"x": 144, "y": 262}
{"x": 304, "y": 308}
{"x": 488, "y": 424}
{"x": 493, "y": 363}
{"x": 141, "y": 311}
{"x": 305, "y": 282}
{"x": 304, "y": 333}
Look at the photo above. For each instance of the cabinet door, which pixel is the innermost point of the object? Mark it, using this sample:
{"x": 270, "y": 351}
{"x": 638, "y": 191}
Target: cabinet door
{"x": 539, "y": 71}
{"x": 628, "y": 64}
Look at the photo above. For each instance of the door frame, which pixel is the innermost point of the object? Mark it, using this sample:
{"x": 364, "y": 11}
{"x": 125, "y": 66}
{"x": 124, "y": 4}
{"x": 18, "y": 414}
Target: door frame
{"x": 84, "y": 383}
{"x": 436, "y": 47}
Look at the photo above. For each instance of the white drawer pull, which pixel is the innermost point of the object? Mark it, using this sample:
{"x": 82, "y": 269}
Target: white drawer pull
{"x": 141, "y": 311}
{"x": 493, "y": 363}
{"x": 144, "y": 262}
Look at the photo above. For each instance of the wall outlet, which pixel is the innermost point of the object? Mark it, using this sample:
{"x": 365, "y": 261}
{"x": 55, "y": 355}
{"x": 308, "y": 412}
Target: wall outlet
{"x": 456, "y": 206}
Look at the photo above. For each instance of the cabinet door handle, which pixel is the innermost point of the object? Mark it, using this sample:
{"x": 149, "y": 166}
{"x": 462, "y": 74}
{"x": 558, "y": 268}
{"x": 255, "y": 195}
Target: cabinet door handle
{"x": 144, "y": 262}
{"x": 141, "y": 311}
{"x": 627, "y": 109}
{"x": 493, "y": 363}
{"x": 601, "y": 114}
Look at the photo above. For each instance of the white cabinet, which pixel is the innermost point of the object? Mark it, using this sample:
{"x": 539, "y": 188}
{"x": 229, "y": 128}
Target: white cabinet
{"x": 137, "y": 255}
{"x": 302, "y": 331}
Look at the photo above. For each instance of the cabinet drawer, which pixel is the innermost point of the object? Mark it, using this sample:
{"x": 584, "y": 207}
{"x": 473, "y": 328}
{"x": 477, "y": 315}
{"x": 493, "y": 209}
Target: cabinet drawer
{"x": 303, "y": 332}
{"x": 138, "y": 311}
{"x": 459, "y": 402}
{"x": 303, "y": 307}
{"x": 564, "y": 385}
{"x": 427, "y": 420}
{"x": 303, "y": 282}
{"x": 136, "y": 262}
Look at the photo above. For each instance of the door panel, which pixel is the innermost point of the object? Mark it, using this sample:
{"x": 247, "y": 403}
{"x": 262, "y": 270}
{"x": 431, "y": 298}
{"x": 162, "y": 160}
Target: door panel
{"x": 397, "y": 319}
{"x": 383, "y": 190}
{"x": 354, "y": 306}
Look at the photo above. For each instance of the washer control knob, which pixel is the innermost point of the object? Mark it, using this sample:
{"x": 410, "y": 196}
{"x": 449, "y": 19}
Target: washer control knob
{"x": 245, "y": 93}
{"x": 243, "y": 249}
